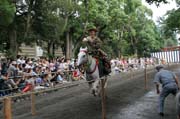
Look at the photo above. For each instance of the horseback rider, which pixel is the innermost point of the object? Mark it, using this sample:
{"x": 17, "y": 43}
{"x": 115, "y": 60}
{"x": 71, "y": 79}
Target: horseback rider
{"x": 93, "y": 44}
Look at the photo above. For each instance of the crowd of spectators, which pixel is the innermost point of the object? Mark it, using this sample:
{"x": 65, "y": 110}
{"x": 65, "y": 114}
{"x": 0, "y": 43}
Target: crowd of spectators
{"x": 129, "y": 64}
{"x": 25, "y": 74}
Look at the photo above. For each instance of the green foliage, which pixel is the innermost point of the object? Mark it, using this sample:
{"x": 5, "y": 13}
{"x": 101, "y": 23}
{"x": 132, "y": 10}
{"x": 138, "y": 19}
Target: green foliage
{"x": 124, "y": 26}
{"x": 172, "y": 21}
{"x": 7, "y": 12}
{"x": 170, "y": 26}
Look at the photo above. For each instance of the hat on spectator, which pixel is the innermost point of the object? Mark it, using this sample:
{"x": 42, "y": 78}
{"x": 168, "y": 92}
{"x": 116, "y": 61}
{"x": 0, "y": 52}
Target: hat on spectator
{"x": 44, "y": 65}
{"x": 23, "y": 61}
{"x": 19, "y": 61}
{"x": 65, "y": 65}
{"x": 30, "y": 62}
{"x": 43, "y": 68}
{"x": 28, "y": 67}
{"x": 14, "y": 62}
{"x": 33, "y": 74}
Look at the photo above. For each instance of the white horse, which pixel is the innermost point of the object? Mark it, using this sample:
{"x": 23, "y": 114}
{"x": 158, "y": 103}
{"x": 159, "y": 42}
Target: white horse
{"x": 90, "y": 66}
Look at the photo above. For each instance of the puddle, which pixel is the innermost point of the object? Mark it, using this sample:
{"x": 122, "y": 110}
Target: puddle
{"x": 150, "y": 94}
{"x": 144, "y": 108}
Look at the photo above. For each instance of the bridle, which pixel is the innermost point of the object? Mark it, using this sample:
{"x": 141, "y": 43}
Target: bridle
{"x": 87, "y": 64}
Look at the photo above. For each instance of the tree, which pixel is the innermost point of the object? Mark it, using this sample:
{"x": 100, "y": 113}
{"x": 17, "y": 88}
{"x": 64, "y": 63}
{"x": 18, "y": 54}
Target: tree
{"x": 170, "y": 26}
{"x": 7, "y": 14}
{"x": 124, "y": 26}
{"x": 157, "y": 2}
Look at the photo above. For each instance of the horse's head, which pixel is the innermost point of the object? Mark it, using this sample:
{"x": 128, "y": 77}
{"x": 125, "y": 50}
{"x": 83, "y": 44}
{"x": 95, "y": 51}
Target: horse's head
{"x": 82, "y": 56}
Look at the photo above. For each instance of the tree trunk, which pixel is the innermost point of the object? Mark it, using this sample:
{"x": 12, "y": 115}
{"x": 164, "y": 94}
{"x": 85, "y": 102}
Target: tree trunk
{"x": 50, "y": 49}
{"x": 13, "y": 49}
{"x": 136, "y": 49}
{"x": 119, "y": 54}
{"x": 67, "y": 45}
{"x": 133, "y": 43}
{"x": 70, "y": 46}
{"x": 28, "y": 20}
{"x": 53, "y": 49}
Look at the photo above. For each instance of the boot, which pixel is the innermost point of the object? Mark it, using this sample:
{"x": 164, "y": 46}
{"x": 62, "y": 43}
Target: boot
{"x": 107, "y": 65}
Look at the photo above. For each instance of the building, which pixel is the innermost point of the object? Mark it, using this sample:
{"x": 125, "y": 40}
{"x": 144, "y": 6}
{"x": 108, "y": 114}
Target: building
{"x": 36, "y": 51}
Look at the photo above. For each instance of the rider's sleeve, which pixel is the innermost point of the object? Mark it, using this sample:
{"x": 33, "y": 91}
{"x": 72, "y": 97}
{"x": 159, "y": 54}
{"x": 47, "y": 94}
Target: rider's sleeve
{"x": 85, "y": 39}
{"x": 85, "y": 43}
{"x": 97, "y": 43}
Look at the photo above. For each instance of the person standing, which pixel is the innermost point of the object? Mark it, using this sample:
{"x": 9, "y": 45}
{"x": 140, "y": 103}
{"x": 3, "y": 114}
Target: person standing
{"x": 169, "y": 82}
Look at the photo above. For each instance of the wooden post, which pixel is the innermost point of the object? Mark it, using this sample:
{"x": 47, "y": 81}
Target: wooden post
{"x": 33, "y": 109}
{"x": 145, "y": 77}
{"x": 103, "y": 99}
{"x": 7, "y": 108}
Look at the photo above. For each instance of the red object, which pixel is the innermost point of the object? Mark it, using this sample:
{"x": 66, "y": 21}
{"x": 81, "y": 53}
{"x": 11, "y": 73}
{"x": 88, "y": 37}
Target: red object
{"x": 75, "y": 74}
{"x": 27, "y": 88}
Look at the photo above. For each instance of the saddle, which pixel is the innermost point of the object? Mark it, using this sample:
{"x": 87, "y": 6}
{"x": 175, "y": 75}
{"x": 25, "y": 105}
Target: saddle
{"x": 103, "y": 63}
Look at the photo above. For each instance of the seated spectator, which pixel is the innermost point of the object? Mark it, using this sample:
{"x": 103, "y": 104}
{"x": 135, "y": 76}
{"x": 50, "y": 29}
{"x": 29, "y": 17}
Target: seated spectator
{"x": 4, "y": 68}
{"x": 38, "y": 84}
{"x": 3, "y": 86}
{"x": 59, "y": 78}
{"x": 30, "y": 83}
{"x": 76, "y": 74}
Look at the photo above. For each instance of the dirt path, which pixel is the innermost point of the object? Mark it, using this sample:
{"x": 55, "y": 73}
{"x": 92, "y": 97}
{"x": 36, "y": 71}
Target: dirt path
{"x": 127, "y": 99}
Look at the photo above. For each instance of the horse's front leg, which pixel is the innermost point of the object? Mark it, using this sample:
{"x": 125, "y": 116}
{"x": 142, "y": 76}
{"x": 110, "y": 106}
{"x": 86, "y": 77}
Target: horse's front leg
{"x": 96, "y": 87}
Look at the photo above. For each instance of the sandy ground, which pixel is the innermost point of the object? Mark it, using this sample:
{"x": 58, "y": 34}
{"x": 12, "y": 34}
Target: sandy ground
{"x": 127, "y": 99}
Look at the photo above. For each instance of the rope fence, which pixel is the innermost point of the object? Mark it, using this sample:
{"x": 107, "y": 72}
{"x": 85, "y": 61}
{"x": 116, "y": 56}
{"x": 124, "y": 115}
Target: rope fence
{"x": 27, "y": 74}
{"x": 39, "y": 75}
{"x": 131, "y": 73}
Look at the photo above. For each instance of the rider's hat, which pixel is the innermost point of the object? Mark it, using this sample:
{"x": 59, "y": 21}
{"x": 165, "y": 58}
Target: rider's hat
{"x": 92, "y": 28}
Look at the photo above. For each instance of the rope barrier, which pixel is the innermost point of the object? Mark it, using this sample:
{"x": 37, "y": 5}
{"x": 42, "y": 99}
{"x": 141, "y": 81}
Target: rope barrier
{"x": 50, "y": 89}
{"x": 53, "y": 72}
{"x": 35, "y": 75}
{"x": 31, "y": 76}
{"x": 58, "y": 87}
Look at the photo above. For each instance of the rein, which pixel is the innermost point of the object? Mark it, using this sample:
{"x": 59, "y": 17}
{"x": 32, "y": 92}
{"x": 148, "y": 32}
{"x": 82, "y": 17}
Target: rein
{"x": 90, "y": 72}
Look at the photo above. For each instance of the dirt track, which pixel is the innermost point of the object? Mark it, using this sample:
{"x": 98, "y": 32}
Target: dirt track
{"x": 127, "y": 99}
